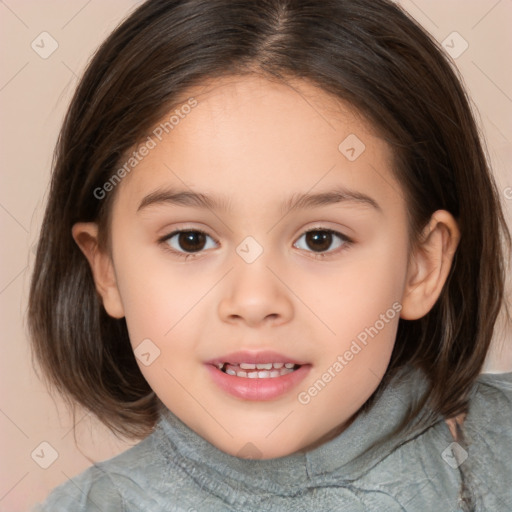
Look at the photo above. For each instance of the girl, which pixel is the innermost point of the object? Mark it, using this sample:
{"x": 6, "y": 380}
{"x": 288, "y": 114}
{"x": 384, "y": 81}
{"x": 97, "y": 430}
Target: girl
{"x": 320, "y": 345}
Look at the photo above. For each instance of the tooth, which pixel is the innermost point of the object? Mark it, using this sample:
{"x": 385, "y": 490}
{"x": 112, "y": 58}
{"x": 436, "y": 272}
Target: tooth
{"x": 264, "y": 366}
{"x": 220, "y": 365}
{"x": 262, "y": 374}
{"x": 248, "y": 366}
{"x": 278, "y": 365}
{"x": 289, "y": 365}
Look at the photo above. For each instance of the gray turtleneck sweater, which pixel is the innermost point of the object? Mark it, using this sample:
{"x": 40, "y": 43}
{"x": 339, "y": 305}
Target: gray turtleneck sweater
{"x": 174, "y": 469}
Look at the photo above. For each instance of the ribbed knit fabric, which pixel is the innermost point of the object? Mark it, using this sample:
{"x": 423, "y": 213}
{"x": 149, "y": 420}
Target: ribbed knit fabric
{"x": 174, "y": 469}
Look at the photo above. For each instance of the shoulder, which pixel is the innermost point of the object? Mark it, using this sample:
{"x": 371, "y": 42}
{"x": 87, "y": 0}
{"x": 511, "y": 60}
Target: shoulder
{"x": 433, "y": 468}
{"x": 487, "y": 425}
{"x": 106, "y": 486}
{"x": 488, "y": 436}
{"x": 491, "y": 399}
{"x": 91, "y": 490}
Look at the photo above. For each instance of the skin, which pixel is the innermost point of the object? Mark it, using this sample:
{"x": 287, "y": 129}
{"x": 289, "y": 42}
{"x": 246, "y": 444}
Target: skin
{"x": 257, "y": 142}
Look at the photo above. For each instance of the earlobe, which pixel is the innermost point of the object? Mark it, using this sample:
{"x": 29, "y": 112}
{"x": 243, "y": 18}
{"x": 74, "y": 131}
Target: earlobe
{"x": 85, "y": 235}
{"x": 430, "y": 265}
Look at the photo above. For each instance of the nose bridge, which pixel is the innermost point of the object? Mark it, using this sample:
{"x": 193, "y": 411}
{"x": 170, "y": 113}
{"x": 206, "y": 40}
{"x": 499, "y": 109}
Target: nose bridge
{"x": 254, "y": 292}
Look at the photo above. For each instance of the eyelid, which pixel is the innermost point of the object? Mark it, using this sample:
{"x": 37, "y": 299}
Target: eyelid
{"x": 184, "y": 228}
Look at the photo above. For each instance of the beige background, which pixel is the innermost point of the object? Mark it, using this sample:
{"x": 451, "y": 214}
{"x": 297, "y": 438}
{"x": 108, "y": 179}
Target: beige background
{"x": 34, "y": 93}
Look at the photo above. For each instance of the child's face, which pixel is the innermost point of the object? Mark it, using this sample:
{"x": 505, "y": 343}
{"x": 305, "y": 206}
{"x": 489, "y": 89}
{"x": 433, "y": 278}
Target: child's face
{"x": 255, "y": 284}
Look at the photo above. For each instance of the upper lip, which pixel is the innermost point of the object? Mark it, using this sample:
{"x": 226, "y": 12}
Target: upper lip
{"x": 264, "y": 356}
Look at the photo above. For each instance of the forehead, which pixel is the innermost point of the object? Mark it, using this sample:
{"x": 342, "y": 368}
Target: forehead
{"x": 246, "y": 134}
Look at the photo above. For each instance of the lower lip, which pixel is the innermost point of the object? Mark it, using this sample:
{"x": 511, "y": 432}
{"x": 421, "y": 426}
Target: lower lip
{"x": 258, "y": 388}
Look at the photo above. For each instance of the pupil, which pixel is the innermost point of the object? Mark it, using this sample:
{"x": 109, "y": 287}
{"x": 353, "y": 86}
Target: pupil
{"x": 324, "y": 237}
{"x": 187, "y": 239}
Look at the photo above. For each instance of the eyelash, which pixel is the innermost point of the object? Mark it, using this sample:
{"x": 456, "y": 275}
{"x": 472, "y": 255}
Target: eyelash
{"x": 347, "y": 242}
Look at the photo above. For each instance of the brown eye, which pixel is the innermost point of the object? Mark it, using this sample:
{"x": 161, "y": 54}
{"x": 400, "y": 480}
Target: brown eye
{"x": 320, "y": 240}
{"x": 184, "y": 241}
{"x": 191, "y": 241}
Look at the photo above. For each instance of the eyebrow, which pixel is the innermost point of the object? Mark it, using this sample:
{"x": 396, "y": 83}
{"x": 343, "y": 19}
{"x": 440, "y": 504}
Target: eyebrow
{"x": 221, "y": 203}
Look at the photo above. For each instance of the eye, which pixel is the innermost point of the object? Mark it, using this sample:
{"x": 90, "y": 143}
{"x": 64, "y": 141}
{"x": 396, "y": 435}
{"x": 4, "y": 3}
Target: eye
{"x": 190, "y": 240}
{"x": 320, "y": 239}
{"x": 188, "y": 243}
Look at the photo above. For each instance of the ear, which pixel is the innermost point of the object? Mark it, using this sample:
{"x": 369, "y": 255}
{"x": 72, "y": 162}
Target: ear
{"x": 429, "y": 265}
{"x": 85, "y": 235}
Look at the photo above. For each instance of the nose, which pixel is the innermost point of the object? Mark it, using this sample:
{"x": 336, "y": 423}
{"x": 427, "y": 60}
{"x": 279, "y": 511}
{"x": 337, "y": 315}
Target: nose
{"x": 255, "y": 294}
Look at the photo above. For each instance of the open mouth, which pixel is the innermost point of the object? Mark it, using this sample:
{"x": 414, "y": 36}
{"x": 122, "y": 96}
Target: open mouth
{"x": 269, "y": 376}
{"x": 258, "y": 371}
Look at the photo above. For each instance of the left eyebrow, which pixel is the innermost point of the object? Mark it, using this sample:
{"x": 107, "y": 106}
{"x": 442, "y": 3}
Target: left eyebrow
{"x": 222, "y": 203}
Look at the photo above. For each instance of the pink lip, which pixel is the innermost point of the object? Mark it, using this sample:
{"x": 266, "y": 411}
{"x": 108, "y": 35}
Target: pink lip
{"x": 259, "y": 389}
{"x": 266, "y": 356}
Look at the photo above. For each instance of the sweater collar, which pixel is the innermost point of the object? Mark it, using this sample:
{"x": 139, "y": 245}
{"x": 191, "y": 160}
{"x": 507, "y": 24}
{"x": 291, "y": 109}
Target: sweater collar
{"x": 346, "y": 457}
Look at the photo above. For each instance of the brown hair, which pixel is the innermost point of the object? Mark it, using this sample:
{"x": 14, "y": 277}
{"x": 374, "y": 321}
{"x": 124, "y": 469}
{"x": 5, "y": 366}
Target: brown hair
{"x": 367, "y": 52}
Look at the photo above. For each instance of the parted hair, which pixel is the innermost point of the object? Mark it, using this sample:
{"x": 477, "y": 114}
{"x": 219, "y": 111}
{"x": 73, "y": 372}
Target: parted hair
{"x": 369, "y": 53}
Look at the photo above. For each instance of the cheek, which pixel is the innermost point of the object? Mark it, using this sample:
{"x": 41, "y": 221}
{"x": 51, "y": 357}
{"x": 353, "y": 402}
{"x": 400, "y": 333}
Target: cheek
{"x": 361, "y": 307}
{"x": 148, "y": 291}
{"x": 162, "y": 300}
{"x": 352, "y": 295}
{"x": 362, "y": 310}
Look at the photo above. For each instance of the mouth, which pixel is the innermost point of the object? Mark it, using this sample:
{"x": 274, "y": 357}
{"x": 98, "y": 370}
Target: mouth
{"x": 259, "y": 370}
{"x": 263, "y": 375}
